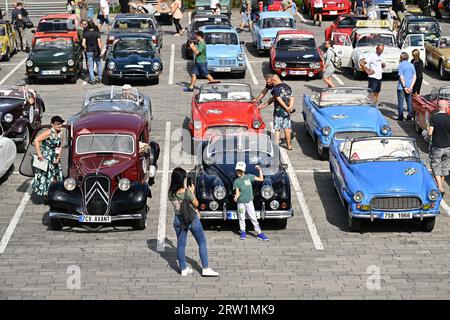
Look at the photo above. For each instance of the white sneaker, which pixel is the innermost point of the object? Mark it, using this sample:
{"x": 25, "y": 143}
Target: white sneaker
{"x": 186, "y": 271}
{"x": 209, "y": 272}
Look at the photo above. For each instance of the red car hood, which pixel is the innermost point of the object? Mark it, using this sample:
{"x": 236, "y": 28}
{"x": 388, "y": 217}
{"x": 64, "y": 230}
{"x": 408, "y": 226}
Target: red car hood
{"x": 110, "y": 165}
{"x": 226, "y": 113}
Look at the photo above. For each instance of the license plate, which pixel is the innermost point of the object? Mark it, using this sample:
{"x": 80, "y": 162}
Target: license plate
{"x": 95, "y": 219}
{"x": 222, "y": 69}
{"x": 396, "y": 215}
{"x": 300, "y": 73}
{"x": 233, "y": 215}
{"x": 50, "y": 72}
{"x": 387, "y": 70}
{"x": 333, "y": 12}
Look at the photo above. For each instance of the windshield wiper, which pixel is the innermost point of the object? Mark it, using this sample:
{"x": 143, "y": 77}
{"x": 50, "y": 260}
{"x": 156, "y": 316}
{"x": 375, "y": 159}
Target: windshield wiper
{"x": 92, "y": 141}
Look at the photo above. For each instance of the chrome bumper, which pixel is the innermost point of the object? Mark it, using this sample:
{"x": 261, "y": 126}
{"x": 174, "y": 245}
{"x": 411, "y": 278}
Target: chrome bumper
{"x": 374, "y": 216}
{"x": 62, "y": 215}
{"x": 272, "y": 214}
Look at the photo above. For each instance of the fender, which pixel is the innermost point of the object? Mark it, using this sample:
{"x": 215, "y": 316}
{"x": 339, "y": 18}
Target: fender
{"x": 154, "y": 154}
{"x": 19, "y": 126}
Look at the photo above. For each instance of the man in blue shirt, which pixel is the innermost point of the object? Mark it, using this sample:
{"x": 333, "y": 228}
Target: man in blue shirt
{"x": 406, "y": 80}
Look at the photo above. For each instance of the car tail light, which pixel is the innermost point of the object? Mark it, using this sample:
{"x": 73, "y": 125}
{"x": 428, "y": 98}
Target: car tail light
{"x": 203, "y": 206}
{"x": 283, "y": 205}
{"x": 155, "y": 40}
{"x": 266, "y": 39}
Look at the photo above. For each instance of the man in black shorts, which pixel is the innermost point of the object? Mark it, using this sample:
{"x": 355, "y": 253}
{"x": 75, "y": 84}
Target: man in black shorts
{"x": 373, "y": 65}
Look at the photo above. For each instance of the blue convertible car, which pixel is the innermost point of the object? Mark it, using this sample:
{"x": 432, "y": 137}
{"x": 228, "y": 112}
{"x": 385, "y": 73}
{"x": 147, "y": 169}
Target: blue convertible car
{"x": 383, "y": 178}
{"x": 340, "y": 113}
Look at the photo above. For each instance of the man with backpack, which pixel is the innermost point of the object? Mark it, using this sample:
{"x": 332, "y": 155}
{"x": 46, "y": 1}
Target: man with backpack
{"x": 254, "y": 14}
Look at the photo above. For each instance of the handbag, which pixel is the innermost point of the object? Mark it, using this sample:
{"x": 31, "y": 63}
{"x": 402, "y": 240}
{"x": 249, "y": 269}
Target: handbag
{"x": 336, "y": 61}
{"x": 40, "y": 164}
{"x": 187, "y": 212}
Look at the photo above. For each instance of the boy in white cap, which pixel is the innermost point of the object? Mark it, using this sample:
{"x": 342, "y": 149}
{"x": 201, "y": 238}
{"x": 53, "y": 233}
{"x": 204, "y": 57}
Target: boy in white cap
{"x": 244, "y": 198}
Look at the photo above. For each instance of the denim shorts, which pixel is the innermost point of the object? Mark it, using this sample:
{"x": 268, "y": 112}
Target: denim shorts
{"x": 103, "y": 19}
{"x": 281, "y": 123}
{"x": 200, "y": 69}
{"x": 374, "y": 84}
{"x": 440, "y": 161}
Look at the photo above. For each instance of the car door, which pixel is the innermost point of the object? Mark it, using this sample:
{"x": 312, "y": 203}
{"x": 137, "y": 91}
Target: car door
{"x": 413, "y": 42}
{"x": 308, "y": 111}
{"x": 343, "y": 48}
{"x": 255, "y": 31}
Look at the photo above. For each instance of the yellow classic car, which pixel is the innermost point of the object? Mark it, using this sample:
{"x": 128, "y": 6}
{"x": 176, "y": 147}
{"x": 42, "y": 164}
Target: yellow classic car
{"x": 438, "y": 56}
{"x": 7, "y": 40}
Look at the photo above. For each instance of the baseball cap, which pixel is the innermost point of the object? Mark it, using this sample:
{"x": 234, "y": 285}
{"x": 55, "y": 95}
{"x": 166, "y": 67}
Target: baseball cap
{"x": 126, "y": 87}
{"x": 240, "y": 166}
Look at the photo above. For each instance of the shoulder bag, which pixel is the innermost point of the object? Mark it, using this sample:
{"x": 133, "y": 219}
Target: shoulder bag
{"x": 336, "y": 61}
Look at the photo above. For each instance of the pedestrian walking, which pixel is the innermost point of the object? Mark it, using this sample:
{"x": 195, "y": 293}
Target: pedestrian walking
{"x": 437, "y": 12}
{"x": 318, "y": 8}
{"x": 70, "y": 6}
{"x": 124, "y": 7}
{"x": 19, "y": 17}
{"x": 373, "y": 65}
{"x": 328, "y": 69}
{"x": 200, "y": 65}
{"x": 406, "y": 80}
{"x": 246, "y": 10}
{"x": 80, "y": 31}
{"x": 418, "y": 66}
{"x": 92, "y": 43}
{"x": 359, "y": 7}
{"x": 103, "y": 15}
{"x": 439, "y": 132}
{"x": 266, "y": 4}
{"x": 254, "y": 14}
{"x": 179, "y": 191}
{"x": 242, "y": 186}
{"x": 177, "y": 15}
{"x": 81, "y": 9}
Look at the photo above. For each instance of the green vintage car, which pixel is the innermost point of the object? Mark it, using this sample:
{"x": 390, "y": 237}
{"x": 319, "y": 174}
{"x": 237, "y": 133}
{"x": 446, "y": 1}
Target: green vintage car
{"x": 54, "y": 58}
{"x": 203, "y": 6}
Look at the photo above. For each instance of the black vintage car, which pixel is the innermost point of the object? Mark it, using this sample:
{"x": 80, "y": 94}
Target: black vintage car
{"x": 215, "y": 176}
{"x": 54, "y": 58}
{"x": 18, "y": 117}
{"x": 198, "y": 21}
{"x": 428, "y": 26}
{"x": 133, "y": 57}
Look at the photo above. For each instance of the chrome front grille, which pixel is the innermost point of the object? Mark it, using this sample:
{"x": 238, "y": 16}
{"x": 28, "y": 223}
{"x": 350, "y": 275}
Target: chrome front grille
{"x": 227, "y": 62}
{"x": 97, "y": 194}
{"x": 354, "y": 135}
{"x": 396, "y": 203}
{"x": 222, "y": 130}
{"x": 297, "y": 64}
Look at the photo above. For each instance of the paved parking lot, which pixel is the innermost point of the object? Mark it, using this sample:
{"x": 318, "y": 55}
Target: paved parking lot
{"x": 315, "y": 257}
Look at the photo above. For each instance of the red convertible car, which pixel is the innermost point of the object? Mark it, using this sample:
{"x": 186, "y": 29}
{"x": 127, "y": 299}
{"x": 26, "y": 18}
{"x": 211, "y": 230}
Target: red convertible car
{"x": 343, "y": 24}
{"x": 57, "y": 24}
{"x": 275, "y": 6}
{"x": 220, "y": 108}
{"x": 425, "y": 106}
{"x": 330, "y": 7}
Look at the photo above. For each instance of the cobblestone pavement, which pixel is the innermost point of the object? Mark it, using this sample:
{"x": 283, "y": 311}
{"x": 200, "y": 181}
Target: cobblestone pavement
{"x": 124, "y": 264}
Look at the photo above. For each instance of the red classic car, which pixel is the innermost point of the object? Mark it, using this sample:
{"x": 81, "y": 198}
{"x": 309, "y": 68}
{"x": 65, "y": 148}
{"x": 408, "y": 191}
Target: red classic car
{"x": 294, "y": 52}
{"x": 275, "y": 6}
{"x": 224, "y": 108}
{"x": 108, "y": 164}
{"x": 330, "y": 7}
{"x": 425, "y": 106}
{"x": 57, "y": 24}
{"x": 343, "y": 24}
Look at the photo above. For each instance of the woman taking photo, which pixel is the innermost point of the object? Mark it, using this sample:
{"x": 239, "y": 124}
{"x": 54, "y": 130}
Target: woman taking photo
{"x": 48, "y": 148}
{"x": 418, "y": 65}
{"x": 178, "y": 190}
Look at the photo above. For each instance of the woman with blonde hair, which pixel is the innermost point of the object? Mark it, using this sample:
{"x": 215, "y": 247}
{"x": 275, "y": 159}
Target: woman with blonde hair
{"x": 418, "y": 65}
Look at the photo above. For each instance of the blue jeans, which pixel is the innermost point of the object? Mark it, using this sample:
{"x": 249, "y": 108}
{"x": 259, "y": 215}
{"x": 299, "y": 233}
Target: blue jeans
{"x": 91, "y": 60}
{"x": 401, "y": 96}
{"x": 199, "y": 235}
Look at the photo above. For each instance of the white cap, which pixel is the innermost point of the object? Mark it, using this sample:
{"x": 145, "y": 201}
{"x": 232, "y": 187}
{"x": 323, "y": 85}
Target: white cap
{"x": 240, "y": 166}
{"x": 126, "y": 87}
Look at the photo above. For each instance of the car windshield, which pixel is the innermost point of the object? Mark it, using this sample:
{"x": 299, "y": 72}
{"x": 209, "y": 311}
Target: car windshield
{"x": 350, "y": 22}
{"x": 105, "y": 143}
{"x": 128, "y": 106}
{"x": 344, "y": 97}
{"x": 221, "y": 38}
{"x": 296, "y": 41}
{"x": 382, "y": 149}
{"x": 2, "y": 31}
{"x": 374, "y": 39}
{"x": 423, "y": 27}
{"x": 56, "y": 25}
{"x": 141, "y": 24}
{"x": 257, "y": 143}
{"x": 113, "y": 93}
{"x": 133, "y": 45}
{"x": 278, "y": 23}
{"x": 225, "y": 92}
{"x": 13, "y": 93}
{"x": 200, "y": 22}
{"x": 53, "y": 44}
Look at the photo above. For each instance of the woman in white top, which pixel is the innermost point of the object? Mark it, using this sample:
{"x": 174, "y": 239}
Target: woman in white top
{"x": 318, "y": 8}
{"x": 177, "y": 15}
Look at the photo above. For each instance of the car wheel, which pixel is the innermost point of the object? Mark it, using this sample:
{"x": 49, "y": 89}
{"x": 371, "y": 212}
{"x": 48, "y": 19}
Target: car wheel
{"x": 31, "y": 80}
{"x": 7, "y": 56}
{"x": 323, "y": 154}
{"x": 241, "y": 75}
{"x": 73, "y": 79}
{"x": 55, "y": 224}
{"x": 23, "y": 146}
{"x": 141, "y": 224}
{"x": 355, "y": 225}
{"x": 281, "y": 223}
{"x": 416, "y": 123}
{"x": 442, "y": 73}
{"x": 427, "y": 224}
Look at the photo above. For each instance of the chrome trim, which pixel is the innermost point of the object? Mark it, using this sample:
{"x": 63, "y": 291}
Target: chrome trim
{"x": 414, "y": 215}
{"x": 273, "y": 214}
{"x": 62, "y": 215}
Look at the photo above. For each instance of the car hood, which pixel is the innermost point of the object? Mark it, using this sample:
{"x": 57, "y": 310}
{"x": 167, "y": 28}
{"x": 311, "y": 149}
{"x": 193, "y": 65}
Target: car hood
{"x": 226, "y": 113}
{"x": 351, "y": 117}
{"x": 110, "y": 165}
{"x": 222, "y": 50}
{"x": 51, "y": 56}
{"x": 374, "y": 179}
{"x": 133, "y": 58}
{"x": 445, "y": 52}
{"x": 8, "y": 105}
{"x": 271, "y": 32}
{"x": 306, "y": 55}
{"x": 119, "y": 33}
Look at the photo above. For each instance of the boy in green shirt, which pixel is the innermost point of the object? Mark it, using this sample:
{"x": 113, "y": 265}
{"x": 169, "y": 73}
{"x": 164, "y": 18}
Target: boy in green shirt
{"x": 244, "y": 198}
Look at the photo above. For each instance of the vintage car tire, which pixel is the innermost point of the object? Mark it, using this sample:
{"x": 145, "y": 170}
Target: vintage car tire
{"x": 417, "y": 127}
{"x": 427, "y": 224}
{"x": 31, "y": 80}
{"x": 55, "y": 224}
{"x": 22, "y": 146}
{"x": 442, "y": 73}
{"x": 323, "y": 155}
{"x": 355, "y": 225}
{"x": 154, "y": 81}
{"x": 241, "y": 75}
{"x": 141, "y": 224}
{"x": 7, "y": 56}
{"x": 73, "y": 79}
{"x": 281, "y": 224}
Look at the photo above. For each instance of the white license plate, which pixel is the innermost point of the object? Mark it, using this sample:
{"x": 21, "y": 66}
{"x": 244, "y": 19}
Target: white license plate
{"x": 387, "y": 70}
{"x": 333, "y": 13}
{"x": 233, "y": 215}
{"x": 222, "y": 69}
{"x": 50, "y": 72}
{"x": 95, "y": 219}
{"x": 134, "y": 66}
{"x": 300, "y": 73}
{"x": 396, "y": 215}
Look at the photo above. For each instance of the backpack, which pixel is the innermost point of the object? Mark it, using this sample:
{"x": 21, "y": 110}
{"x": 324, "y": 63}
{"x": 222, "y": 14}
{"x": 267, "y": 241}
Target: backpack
{"x": 187, "y": 212}
{"x": 336, "y": 61}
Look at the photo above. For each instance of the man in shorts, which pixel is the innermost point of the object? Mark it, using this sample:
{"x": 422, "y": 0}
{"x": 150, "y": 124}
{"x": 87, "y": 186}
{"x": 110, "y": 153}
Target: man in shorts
{"x": 200, "y": 65}
{"x": 373, "y": 65}
{"x": 103, "y": 15}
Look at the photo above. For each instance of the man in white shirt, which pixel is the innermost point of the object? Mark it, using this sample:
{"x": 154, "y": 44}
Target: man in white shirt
{"x": 103, "y": 15}
{"x": 373, "y": 65}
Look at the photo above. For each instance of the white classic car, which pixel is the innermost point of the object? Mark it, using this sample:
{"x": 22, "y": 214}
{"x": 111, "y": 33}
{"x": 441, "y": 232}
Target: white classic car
{"x": 7, "y": 154}
{"x": 362, "y": 43}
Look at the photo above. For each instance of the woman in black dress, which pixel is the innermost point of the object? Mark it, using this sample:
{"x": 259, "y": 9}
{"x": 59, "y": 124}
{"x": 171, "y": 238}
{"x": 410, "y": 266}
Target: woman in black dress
{"x": 418, "y": 65}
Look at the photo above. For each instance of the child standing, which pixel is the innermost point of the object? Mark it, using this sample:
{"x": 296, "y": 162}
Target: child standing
{"x": 244, "y": 198}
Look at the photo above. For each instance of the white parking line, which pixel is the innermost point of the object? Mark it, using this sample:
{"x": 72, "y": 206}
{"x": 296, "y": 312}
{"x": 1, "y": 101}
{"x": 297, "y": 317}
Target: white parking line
{"x": 189, "y": 17}
{"x": 250, "y": 69}
{"x": 312, "y": 171}
{"x": 445, "y": 206}
{"x": 301, "y": 17}
{"x": 15, "y": 219}
{"x": 172, "y": 59}
{"x": 164, "y": 189}
{"x": 425, "y": 82}
{"x": 335, "y": 77}
{"x": 13, "y": 71}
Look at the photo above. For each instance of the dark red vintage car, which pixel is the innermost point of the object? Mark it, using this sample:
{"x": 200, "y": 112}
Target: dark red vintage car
{"x": 425, "y": 106}
{"x": 109, "y": 164}
{"x": 61, "y": 24}
{"x": 295, "y": 53}
{"x": 343, "y": 24}
{"x": 220, "y": 108}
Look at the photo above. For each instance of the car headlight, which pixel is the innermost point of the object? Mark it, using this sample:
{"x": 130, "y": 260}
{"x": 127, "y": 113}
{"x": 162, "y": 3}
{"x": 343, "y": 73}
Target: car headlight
{"x": 197, "y": 125}
{"x": 314, "y": 65}
{"x": 326, "y": 131}
{"x": 64, "y": 69}
{"x": 385, "y": 129}
{"x": 156, "y": 66}
{"x": 70, "y": 62}
{"x": 358, "y": 196}
{"x": 256, "y": 124}
{"x": 111, "y": 66}
{"x": 220, "y": 192}
{"x": 240, "y": 57}
{"x": 29, "y": 63}
{"x": 433, "y": 195}
{"x": 8, "y": 117}
{"x": 70, "y": 184}
{"x": 274, "y": 205}
{"x": 280, "y": 64}
{"x": 36, "y": 69}
{"x": 214, "y": 205}
{"x": 267, "y": 192}
{"x": 124, "y": 184}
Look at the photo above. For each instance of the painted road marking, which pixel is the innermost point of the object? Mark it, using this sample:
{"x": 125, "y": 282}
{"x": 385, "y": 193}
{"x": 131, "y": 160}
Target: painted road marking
{"x": 301, "y": 17}
{"x": 445, "y": 206}
{"x": 172, "y": 59}
{"x": 425, "y": 82}
{"x": 250, "y": 69}
{"x": 164, "y": 189}
{"x": 189, "y": 17}
{"x": 15, "y": 220}
{"x": 335, "y": 77}
{"x": 312, "y": 171}
{"x": 13, "y": 71}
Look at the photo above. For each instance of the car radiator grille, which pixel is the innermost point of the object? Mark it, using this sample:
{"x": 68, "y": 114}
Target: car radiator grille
{"x": 97, "y": 193}
{"x": 354, "y": 135}
{"x": 221, "y": 130}
{"x": 227, "y": 62}
{"x": 297, "y": 64}
{"x": 396, "y": 203}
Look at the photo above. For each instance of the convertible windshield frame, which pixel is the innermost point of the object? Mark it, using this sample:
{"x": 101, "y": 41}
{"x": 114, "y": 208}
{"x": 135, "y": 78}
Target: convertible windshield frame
{"x": 352, "y": 100}
{"x": 112, "y": 93}
{"x": 99, "y": 135}
{"x": 225, "y": 89}
{"x": 234, "y": 143}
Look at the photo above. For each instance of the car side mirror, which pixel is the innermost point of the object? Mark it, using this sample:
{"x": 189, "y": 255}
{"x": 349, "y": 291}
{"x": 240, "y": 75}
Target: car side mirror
{"x": 242, "y": 42}
{"x": 33, "y": 31}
